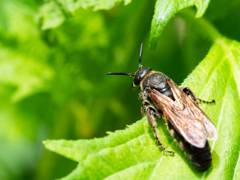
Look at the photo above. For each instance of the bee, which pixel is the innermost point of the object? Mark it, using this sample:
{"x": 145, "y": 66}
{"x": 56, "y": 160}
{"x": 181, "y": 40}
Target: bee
{"x": 186, "y": 121}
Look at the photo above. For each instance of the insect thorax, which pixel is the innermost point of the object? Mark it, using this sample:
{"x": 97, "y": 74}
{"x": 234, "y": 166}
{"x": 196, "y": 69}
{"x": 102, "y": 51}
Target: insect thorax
{"x": 157, "y": 80}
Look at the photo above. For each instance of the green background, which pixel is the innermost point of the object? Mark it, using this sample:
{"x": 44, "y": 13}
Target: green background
{"x": 53, "y": 82}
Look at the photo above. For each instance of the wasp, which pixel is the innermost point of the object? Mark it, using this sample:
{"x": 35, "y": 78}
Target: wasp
{"x": 186, "y": 121}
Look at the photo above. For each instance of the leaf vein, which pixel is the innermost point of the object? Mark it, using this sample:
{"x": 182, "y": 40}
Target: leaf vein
{"x": 220, "y": 116}
{"x": 234, "y": 175}
{"x": 135, "y": 165}
{"x": 222, "y": 109}
{"x": 99, "y": 152}
{"x": 159, "y": 162}
{"x": 208, "y": 78}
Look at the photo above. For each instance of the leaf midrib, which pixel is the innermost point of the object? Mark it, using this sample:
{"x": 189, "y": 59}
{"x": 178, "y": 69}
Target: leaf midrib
{"x": 159, "y": 161}
{"x": 234, "y": 175}
{"x": 135, "y": 165}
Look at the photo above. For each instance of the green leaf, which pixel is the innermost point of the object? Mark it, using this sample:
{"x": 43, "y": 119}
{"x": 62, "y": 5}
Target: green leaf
{"x": 165, "y": 10}
{"x": 133, "y": 154}
{"x": 53, "y": 13}
{"x": 22, "y": 61}
{"x": 29, "y": 79}
{"x": 217, "y": 77}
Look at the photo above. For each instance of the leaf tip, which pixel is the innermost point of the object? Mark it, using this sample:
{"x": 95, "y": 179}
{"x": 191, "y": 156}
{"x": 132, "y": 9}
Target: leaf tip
{"x": 153, "y": 39}
{"x": 201, "y": 8}
{"x": 46, "y": 143}
{"x": 152, "y": 45}
{"x": 108, "y": 132}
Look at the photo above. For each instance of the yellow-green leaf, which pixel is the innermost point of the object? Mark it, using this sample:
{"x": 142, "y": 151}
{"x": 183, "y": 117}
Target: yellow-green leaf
{"x": 53, "y": 13}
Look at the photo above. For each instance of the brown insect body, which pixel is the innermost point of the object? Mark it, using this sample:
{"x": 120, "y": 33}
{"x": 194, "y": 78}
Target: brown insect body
{"x": 162, "y": 98}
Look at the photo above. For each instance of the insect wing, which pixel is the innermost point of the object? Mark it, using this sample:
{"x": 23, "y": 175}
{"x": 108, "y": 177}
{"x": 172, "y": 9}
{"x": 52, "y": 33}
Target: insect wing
{"x": 196, "y": 111}
{"x": 185, "y": 116}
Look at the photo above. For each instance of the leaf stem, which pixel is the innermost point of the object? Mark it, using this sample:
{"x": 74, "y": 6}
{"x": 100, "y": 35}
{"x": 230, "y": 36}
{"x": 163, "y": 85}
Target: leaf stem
{"x": 200, "y": 24}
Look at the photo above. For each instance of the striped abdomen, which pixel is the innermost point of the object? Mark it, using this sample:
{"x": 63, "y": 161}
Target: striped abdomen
{"x": 200, "y": 157}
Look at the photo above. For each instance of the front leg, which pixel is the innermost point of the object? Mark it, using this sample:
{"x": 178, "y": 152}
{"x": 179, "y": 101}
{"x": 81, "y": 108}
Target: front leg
{"x": 142, "y": 96}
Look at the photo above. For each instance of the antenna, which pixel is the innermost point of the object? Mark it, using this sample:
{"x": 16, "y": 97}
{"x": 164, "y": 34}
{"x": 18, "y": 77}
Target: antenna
{"x": 140, "y": 56}
{"x": 130, "y": 74}
{"x": 120, "y": 73}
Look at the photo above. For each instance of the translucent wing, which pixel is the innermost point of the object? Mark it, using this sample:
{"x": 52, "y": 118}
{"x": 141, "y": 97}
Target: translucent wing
{"x": 185, "y": 116}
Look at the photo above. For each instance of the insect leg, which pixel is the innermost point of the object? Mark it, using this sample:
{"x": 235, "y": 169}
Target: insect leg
{"x": 142, "y": 96}
{"x": 188, "y": 91}
{"x": 208, "y": 102}
{"x": 147, "y": 104}
{"x": 143, "y": 110}
{"x": 150, "y": 114}
{"x": 133, "y": 85}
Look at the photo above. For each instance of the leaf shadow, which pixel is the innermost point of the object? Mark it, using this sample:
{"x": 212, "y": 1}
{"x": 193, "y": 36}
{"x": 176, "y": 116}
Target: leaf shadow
{"x": 175, "y": 147}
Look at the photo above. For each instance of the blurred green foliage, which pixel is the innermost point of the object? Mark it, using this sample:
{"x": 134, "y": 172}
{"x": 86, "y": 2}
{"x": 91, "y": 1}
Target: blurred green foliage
{"x": 53, "y": 82}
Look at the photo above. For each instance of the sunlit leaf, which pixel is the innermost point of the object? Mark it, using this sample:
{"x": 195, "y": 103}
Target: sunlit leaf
{"x": 53, "y": 13}
{"x": 165, "y": 10}
{"x": 133, "y": 153}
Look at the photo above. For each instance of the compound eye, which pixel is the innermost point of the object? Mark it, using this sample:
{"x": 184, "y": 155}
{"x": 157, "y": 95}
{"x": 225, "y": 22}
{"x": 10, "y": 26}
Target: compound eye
{"x": 137, "y": 80}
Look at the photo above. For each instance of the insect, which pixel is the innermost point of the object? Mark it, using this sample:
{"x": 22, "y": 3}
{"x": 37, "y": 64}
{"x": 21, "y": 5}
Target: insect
{"x": 187, "y": 123}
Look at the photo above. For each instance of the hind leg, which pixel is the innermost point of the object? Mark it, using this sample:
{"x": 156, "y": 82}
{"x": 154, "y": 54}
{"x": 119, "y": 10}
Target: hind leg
{"x": 188, "y": 91}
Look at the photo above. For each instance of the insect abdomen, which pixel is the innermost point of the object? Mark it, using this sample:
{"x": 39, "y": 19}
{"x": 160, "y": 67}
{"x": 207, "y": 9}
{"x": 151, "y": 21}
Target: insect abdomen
{"x": 201, "y": 158}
